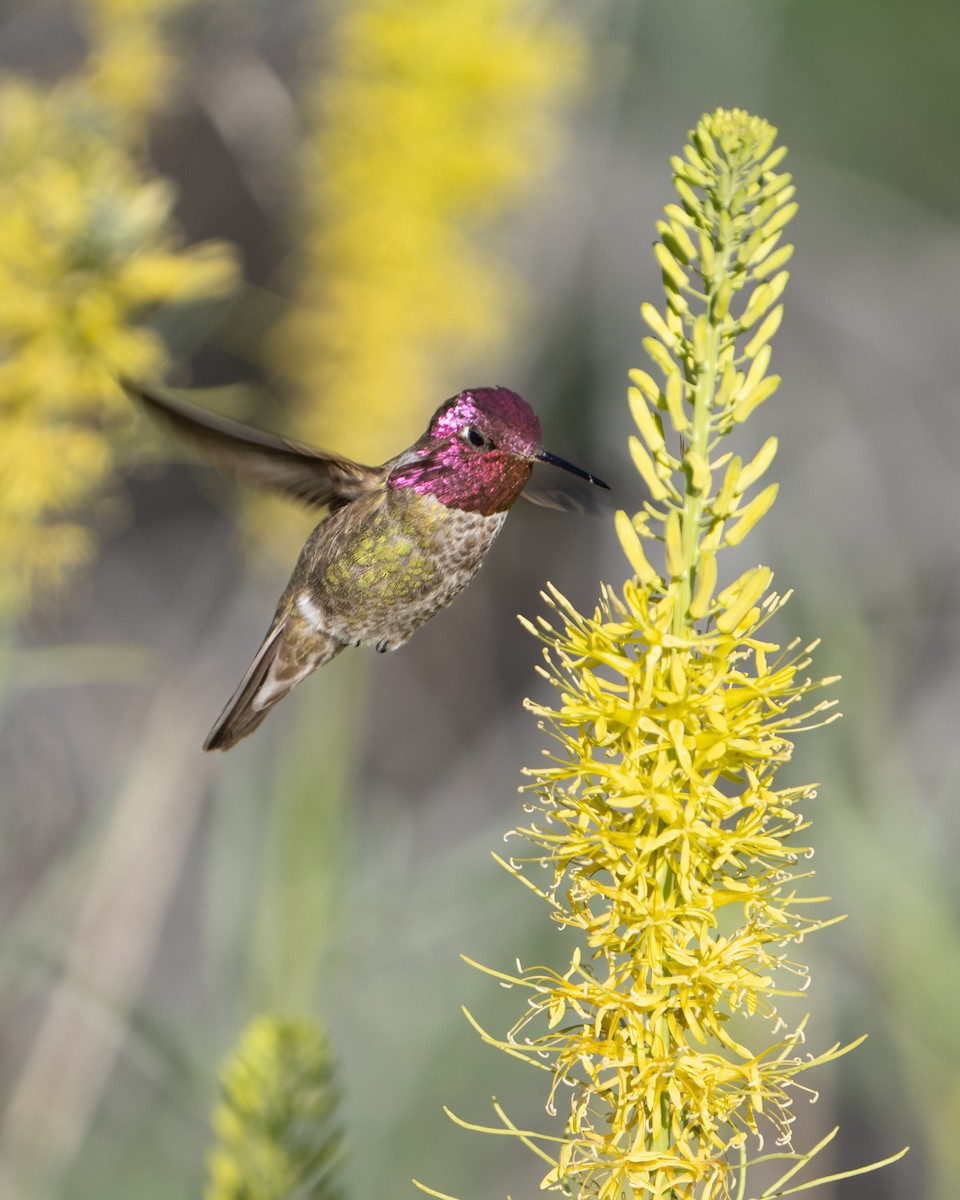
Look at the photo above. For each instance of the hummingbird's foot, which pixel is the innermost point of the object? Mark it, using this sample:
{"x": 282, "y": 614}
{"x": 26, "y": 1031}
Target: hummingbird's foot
{"x": 382, "y": 646}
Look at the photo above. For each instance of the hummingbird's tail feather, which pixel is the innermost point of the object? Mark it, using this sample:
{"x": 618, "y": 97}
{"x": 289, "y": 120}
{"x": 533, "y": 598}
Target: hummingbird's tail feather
{"x": 280, "y": 664}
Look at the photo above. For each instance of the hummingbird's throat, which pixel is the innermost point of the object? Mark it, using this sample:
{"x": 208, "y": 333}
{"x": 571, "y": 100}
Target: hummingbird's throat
{"x": 484, "y": 483}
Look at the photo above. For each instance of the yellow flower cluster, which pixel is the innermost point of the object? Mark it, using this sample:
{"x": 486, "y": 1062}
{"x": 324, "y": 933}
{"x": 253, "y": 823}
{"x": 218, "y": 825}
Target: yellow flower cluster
{"x": 432, "y": 117}
{"x": 672, "y": 853}
{"x": 87, "y": 248}
{"x": 275, "y": 1124}
{"x": 131, "y": 61}
{"x": 668, "y": 846}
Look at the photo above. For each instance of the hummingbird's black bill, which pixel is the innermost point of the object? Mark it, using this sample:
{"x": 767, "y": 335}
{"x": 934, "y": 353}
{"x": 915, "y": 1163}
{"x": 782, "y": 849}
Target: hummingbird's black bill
{"x": 546, "y": 457}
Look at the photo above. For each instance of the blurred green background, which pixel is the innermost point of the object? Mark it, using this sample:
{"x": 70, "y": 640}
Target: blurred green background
{"x": 338, "y": 862}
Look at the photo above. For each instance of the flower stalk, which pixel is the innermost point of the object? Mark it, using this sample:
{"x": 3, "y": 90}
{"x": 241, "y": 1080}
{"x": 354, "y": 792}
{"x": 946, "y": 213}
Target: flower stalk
{"x": 662, "y": 838}
{"x": 276, "y": 1123}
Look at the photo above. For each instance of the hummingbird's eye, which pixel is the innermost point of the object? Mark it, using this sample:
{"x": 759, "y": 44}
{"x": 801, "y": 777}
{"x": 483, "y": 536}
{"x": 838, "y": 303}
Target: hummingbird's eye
{"x": 478, "y": 440}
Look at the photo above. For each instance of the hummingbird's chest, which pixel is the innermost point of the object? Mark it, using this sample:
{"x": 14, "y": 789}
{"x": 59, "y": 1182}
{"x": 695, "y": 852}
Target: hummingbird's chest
{"x": 380, "y": 574}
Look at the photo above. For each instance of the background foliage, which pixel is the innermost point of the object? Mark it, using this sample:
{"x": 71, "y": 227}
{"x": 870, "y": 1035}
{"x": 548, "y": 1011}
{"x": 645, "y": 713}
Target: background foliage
{"x": 266, "y": 888}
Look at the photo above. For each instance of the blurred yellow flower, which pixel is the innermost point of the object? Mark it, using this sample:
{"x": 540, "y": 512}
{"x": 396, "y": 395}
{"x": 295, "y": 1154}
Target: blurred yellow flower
{"x": 130, "y": 61}
{"x": 277, "y": 1134}
{"x": 87, "y": 248}
{"x": 431, "y": 119}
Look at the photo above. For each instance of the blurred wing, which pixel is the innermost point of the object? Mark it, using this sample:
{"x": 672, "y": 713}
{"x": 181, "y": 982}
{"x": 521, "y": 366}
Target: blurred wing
{"x": 311, "y": 476}
{"x": 573, "y": 499}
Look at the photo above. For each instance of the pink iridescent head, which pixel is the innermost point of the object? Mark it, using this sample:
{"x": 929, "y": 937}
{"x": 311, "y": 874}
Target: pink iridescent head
{"x": 478, "y": 452}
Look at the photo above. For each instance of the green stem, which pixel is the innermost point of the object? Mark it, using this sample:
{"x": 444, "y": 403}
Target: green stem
{"x": 707, "y": 375}
{"x": 693, "y": 500}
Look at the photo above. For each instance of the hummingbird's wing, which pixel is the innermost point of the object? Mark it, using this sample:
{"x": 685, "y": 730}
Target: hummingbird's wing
{"x": 573, "y": 499}
{"x": 312, "y": 476}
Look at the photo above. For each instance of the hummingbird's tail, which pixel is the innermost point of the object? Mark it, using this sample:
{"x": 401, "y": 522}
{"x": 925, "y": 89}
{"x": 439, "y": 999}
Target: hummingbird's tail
{"x": 281, "y": 662}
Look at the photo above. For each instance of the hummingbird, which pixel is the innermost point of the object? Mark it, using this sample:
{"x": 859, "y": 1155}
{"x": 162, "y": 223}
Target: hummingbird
{"x": 398, "y": 542}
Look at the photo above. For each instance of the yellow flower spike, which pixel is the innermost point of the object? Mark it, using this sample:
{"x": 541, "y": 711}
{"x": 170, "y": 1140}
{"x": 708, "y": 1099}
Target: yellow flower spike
{"x": 276, "y": 1123}
{"x": 430, "y": 120}
{"x": 658, "y": 806}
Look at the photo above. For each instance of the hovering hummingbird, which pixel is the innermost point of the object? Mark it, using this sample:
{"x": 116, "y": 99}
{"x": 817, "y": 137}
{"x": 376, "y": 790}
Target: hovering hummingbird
{"x": 398, "y": 543}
